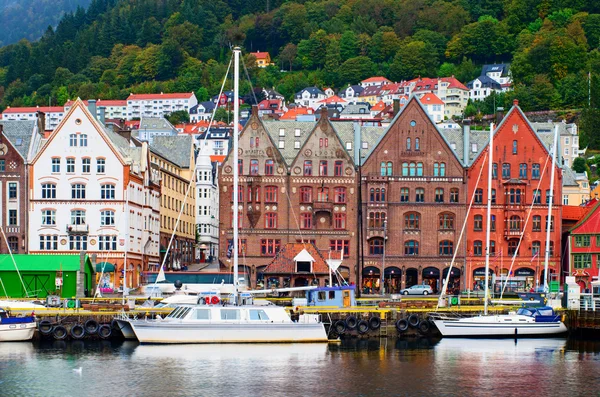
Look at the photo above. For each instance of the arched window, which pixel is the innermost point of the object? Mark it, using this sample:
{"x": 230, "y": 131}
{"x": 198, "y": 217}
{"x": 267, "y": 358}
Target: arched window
{"x": 372, "y": 195}
{"x": 446, "y": 248}
{"x": 419, "y": 195}
{"x": 404, "y": 169}
{"x": 536, "y": 223}
{"x": 446, "y": 221}
{"x": 408, "y": 144}
{"x": 269, "y": 167}
{"x": 436, "y": 169}
{"x": 417, "y": 144}
{"x": 419, "y": 169}
{"x": 514, "y": 224}
{"x": 412, "y": 220}
{"x": 478, "y": 222}
{"x": 535, "y": 248}
{"x": 413, "y": 169}
{"x": 77, "y": 191}
{"x": 404, "y": 193}
{"x": 383, "y": 169}
{"x": 389, "y": 168}
{"x": 376, "y": 246}
{"x": 411, "y": 247}
{"x": 442, "y": 169}
{"x": 477, "y": 248}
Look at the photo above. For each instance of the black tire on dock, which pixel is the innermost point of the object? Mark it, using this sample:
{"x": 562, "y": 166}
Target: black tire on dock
{"x": 77, "y": 331}
{"x": 351, "y": 322}
{"x": 362, "y": 326}
{"x": 413, "y": 320}
{"x": 45, "y": 327}
{"x": 374, "y": 323}
{"x": 91, "y": 327}
{"x": 402, "y": 325}
{"x": 105, "y": 331}
{"x": 59, "y": 332}
{"x": 424, "y": 326}
{"x": 339, "y": 327}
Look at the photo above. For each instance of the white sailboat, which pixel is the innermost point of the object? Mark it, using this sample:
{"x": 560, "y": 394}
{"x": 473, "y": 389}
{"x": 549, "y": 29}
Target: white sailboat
{"x": 210, "y": 320}
{"x": 526, "y": 321}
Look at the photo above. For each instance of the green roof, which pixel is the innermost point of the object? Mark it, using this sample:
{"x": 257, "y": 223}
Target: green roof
{"x": 40, "y": 262}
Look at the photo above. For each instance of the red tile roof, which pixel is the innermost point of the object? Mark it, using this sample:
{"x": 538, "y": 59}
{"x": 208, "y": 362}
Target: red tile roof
{"x": 293, "y": 112}
{"x": 333, "y": 99}
{"x": 284, "y": 261}
{"x": 217, "y": 158}
{"x": 175, "y": 95}
{"x": 376, "y": 79}
{"x": 574, "y": 212}
{"x": 102, "y": 102}
{"x": 454, "y": 83}
{"x": 431, "y": 99}
{"x": 33, "y": 109}
{"x": 260, "y": 55}
{"x": 378, "y": 107}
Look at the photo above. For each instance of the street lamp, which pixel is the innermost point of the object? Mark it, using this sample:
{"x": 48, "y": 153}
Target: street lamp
{"x": 383, "y": 259}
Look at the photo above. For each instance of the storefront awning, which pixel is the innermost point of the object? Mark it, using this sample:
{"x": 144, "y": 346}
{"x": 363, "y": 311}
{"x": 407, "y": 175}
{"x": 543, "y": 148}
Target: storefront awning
{"x": 525, "y": 272}
{"x": 481, "y": 271}
{"x": 108, "y": 267}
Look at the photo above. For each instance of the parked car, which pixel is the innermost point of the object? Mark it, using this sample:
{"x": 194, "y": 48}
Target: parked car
{"x": 418, "y": 289}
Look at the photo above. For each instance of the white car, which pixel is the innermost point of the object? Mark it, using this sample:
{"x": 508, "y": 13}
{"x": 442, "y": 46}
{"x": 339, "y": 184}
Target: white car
{"x": 418, "y": 289}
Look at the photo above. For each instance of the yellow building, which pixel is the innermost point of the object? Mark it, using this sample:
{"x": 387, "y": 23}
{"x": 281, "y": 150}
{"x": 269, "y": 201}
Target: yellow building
{"x": 576, "y": 187}
{"x": 263, "y": 59}
{"x": 172, "y": 159}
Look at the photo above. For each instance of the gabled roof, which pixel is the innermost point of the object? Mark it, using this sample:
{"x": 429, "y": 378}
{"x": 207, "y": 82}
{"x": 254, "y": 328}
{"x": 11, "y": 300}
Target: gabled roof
{"x": 371, "y": 90}
{"x": 20, "y": 134}
{"x": 585, "y": 217}
{"x": 333, "y": 99}
{"x": 486, "y": 82}
{"x": 177, "y": 149}
{"x": 260, "y": 55}
{"x": 174, "y": 95}
{"x": 284, "y": 261}
{"x": 569, "y": 177}
{"x": 376, "y": 79}
{"x": 431, "y": 99}
{"x": 501, "y": 67}
{"x": 312, "y": 90}
{"x": 355, "y": 108}
{"x": 454, "y": 83}
{"x": 574, "y": 212}
{"x": 378, "y": 107}
{"x": 156, "y": 123}
{"x": 292, "y": 113}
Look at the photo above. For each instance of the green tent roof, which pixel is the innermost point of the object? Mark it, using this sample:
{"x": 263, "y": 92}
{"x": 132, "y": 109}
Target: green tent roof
{"x": 108, "y": 267}
{"x": 40, "y": 262}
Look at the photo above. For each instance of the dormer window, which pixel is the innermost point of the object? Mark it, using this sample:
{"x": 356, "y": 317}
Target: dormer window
{"x": 304, "y": 262}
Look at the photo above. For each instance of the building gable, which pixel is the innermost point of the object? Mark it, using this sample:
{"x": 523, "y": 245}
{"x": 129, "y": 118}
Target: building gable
{"x": 589, "y": 223}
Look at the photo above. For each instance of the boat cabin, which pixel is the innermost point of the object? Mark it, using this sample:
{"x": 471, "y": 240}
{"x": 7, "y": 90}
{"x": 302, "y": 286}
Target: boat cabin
{"x": 339, "y": 296}
{"x": 543, "y": 314}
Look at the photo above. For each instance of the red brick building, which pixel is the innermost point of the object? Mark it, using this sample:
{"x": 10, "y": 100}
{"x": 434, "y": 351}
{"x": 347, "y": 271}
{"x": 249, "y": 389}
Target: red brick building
{"x": 584, "y": 248}
{"x": 413, "y": 194}
{"x": 308, "y": 198}
{"x": 521, "y": 180}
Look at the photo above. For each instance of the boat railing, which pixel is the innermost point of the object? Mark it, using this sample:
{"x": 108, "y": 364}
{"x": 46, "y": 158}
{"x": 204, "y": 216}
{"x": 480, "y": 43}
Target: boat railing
{"x": 447, "y": 315}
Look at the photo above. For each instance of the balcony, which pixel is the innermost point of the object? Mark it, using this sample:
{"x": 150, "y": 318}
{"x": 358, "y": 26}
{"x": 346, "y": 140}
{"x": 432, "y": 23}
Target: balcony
{"x": 508, "y": 233}
{"x": 78, "y": 229}
{"x": 323, "y": 206}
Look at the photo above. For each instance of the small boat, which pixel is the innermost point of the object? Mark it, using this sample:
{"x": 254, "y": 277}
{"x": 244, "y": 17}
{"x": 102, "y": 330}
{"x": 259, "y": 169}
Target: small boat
{"x": 527, "y": 321}
{"x": 16, "y": 329}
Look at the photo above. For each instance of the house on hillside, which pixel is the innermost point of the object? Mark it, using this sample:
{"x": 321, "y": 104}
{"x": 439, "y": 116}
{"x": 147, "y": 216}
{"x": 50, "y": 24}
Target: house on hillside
{"x": 434, "y": 106}
{"x": 309, "y": 97}
{"x": 351, "y": 93}
{"x": 202, "y": 111}
{"x": 263, "y": 59}
{"x": 374, "y": 81}
{"x": 500, "y": 73}
{"x": 482, "y": 87}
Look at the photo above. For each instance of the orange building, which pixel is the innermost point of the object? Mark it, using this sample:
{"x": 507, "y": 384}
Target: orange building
{"x": 263, "y": 59}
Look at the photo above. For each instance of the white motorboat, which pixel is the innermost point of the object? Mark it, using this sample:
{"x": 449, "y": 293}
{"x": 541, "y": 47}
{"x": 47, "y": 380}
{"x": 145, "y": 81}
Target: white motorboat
{"x": 527, "y": 321}
{"x": 16, "y": 329}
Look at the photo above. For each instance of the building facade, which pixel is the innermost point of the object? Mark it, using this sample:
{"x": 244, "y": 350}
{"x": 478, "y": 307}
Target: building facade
{"x": 207, "y": 208}
{"x": 413, "y": 195}
{"x": 584, "y": 249}
{"x": 53, "y": 114}
{"x": 159, "y": 105}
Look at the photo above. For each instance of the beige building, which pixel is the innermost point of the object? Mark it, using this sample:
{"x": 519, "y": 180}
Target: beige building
{"x": 172, "y": 159}
{"x": 576, "y": 187}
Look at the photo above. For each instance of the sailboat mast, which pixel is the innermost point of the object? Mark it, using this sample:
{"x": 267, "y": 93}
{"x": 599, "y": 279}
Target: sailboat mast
{"x": 236, "y": 169}
{"x": 551, "y": 200}
{"x": 488, "y": 220}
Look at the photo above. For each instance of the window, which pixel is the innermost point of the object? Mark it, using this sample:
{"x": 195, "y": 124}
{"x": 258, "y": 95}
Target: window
{"x": 493, "y": 196}
{"x": 71, "y": 165}
{"x": 548, "y": 196}
{"x": 253, "y": 167}
{"x": 269, "y": 247}
{"x": 107, "y": 218}
{"x": 412, "y": 221}
{"x": 48, "y": 190}
{"x": 404, "y": 193}
{"x": 240, "y": 166}
{"x": 478, "y": 222}
{"x": 512, "y": 247}
{"x": 376, "y": 246}
{"x": 537, "y": 196}
{"x": 386, "y": 168}
{"x": 230, "y": 314}
{"x": 77, "y": 191}
{"x": 535, "y": 248}
{"x": 340, "y": 245}
{"x": 56, "y": 165}
{"x": 514, "y": 223}
{"x": 454, "y": 195}
{"x": 551, "y": 249}
{"x": 307, "y": 167}
{"x": 337, "y": 168}
{"x": 306, "y": 221}
{"x": 83, "y": 141}
{"x": 340, "y": 195}
{"x": 439, "y": 169}
{"x": 323, "y": 168}
{"x": 12, "y": 190}
{"x": 404, "y": 169}
{"x": 417, "y": 144}
{"x": 77, "y": 217}
{"x": 2, "y": 165}
{"x": 12, "y": 218}
{"x": 411, "y": 247}
{"x": 258, "y": 314}
{"x": 78, "y": 242}
{"x": 48, "y": 243}
{"x": 48, "y": 217}
{"x": 492, "y": 247}
{"x": 376, "y": 219}
{"x": 522, "y": 171}
{"x": 535, "y": 171}
{"x": 582, "y": 261}
{"x": 439, "y": 195}
{"x": 271, "y": 194}
{"x": 339, "y": 221}
{"x": 446, "y": 221}
{"x": 537, "y": 223}
{"x": 495, "y": 170}
{"x": 478, "y": 196}
{"x": 107, "y": 192}
{"x": 515, "y": 196}
{"x": 306, "y": 194}
{"x": 419, "y": 169}
{"x": 86, "y": 165}
{"x": 477, "y": 248}
{"x": 100, "y": 166}
{"x": 408, "y": 144}
{"x": 377, "y": 195}
{"x": 270, "y": 220}
{"x": 446, "y": 248}
{"x": 73, "y": 140}
{"x": 13, "y": 244}
{"x": 107, "y": 243}
{"x": 582, "y": 241}
{"x": 419, "y": 195}
{"x": 506, "y": 171}
{"x": 269, "y": 167}
{"x": 515, "y": 146}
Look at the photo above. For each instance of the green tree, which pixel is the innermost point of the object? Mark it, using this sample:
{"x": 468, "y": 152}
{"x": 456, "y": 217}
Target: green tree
{"x": 415, "y": 58}
{"x": 348, "y": 45}
{"x": 356, "y": 69}
{"x": 178, "y": 117}
{"x": 579, "y": 164}
{"x": 288, "y": 55}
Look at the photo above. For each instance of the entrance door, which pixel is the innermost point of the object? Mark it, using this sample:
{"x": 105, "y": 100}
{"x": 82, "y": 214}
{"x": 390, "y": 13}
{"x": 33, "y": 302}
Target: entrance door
{"x": 346, "y": 295}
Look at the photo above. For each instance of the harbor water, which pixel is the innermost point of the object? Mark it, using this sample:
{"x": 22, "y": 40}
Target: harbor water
{"x": 420, "y": 367}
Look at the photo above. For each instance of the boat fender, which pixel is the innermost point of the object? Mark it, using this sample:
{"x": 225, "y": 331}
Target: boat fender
{"x": 45, "y": 327}
{"x": 77, "y": 331}
{"x": 340, "y": 327}
{"x": 362, "y": 326}
{"x": 71, "y": 304}
{"x": 214, "y": 300}
{"x": 402, "y": 325}
{"x": 351, "y": 322}
{"x": 424, "y": 326}
{"x": 104, "y": 331}
{"x": 374, "y": 323}
{"x": 207, "y": 300}
{"x": 413, "y": 320}
{"x": 91, "y": 326}
{"x": 59, "y": 332}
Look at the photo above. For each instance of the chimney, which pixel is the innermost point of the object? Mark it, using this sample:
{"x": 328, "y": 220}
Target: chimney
{"x": 499, "y": 115}
{"x": 324, "y": 112}
{"x": 466, "y": 141}
{"x": 92, "y": 108}
{"x": 396, "y": 107}
{"x": 255, "y": 110}
{"x": 41, "y": 122}
{"x": 102, "y": 116}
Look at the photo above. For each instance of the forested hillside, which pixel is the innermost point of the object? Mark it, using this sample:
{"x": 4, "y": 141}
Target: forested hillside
{"x": 29, "y": 19}
{"x": 117, "y": 47}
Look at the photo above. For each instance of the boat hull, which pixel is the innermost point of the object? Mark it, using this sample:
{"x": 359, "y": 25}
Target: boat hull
{"x": 125, "y": 328}
{"x": 17, "y": 332}
{"x": 169, "y": 332}
{"x": 497, "y": 326}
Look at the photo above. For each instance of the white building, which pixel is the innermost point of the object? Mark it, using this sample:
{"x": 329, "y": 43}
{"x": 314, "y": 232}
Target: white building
{"x": 151, "y": 127}
{"x": 500, "y": 73}
{"x": 159, "y": 105}
{"x": 309, "y": 97}
{"x": 434, "y": 106}
{"x": 202, "y": 111}
{"x": 113, "y": 109}
{"x": 91, "y": 190}
{"x": 207, "y": 207}
{"x": 351, "y": 93}
{"x": 569, "y": 139}
{"x": 373, "y": 81}
{"x": 53, "y": 114}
